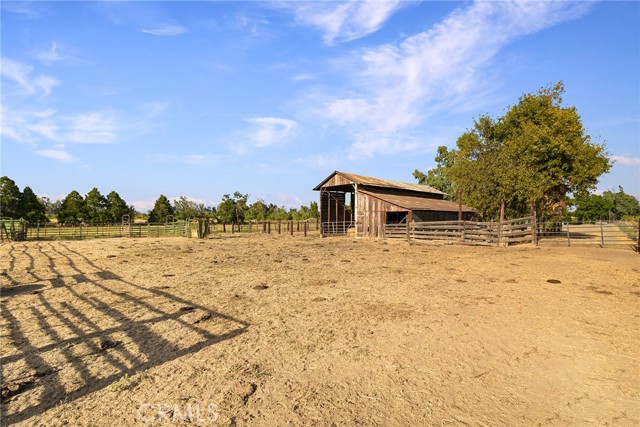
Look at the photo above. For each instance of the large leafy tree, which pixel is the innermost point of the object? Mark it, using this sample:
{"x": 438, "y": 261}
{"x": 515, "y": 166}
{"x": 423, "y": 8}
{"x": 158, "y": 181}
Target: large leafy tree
{"x": 73, "y": 209}
{"x": 528, "y": 160}
{"x": 31, "y": 208}
{"x": 623, "y": 204}
{"x": 436, "y": 177}
{"x": 161, "y": 209}
{"x": 9, "y": 198}
{"x": 117, "y": 208}
{"x": 96, "y": 207}
{"x": 232, "y": 209}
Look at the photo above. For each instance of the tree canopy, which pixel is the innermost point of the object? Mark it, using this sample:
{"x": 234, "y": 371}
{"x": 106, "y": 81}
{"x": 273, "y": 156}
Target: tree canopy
{"x": 161, "y": 209}
{"x": 526, "y": 161}
{"x": 232, "y": 209}
{"x": 73, "y": 209}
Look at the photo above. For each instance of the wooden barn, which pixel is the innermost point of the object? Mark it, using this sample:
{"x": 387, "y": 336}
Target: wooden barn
{"x": 366, "y": 204}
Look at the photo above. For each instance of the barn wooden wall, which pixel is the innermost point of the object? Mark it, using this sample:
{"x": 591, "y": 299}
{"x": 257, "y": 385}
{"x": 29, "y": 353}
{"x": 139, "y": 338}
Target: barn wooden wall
{"x": 372, "y": 214}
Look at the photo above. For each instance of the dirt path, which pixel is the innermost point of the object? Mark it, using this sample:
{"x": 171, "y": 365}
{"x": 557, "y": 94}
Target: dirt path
{"x": 272, "y": 330}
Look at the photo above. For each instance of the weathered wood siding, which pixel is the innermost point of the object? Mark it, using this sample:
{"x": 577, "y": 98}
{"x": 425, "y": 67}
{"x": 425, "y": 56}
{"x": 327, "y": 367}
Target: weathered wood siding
{"x": 372, "y": 215}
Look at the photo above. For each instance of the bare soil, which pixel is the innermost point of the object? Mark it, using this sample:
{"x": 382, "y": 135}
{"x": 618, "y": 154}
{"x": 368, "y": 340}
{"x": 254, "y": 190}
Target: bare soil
{"x": 278, "y": 330}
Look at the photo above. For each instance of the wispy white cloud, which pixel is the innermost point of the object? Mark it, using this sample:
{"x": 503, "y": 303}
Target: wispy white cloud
{"x": 97, "y": 127}
{"x": 626, "y": 160}
{"x": 30, "y": 126}
{"x": 344, "y": 20}
{"x": 189, "y": 159}
{"x": 59, "y": 155}
{"x": 20, "y": 74}
{"x": 165, "y": 30}
{"x": 271, "y": 131}
{"x": 303, "y": 77}
{"x": 49, "y": 55}
{"x": 397, "y": 85}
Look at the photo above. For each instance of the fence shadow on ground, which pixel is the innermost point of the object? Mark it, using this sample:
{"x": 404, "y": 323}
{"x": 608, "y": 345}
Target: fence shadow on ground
{"x": 92, "y": 328}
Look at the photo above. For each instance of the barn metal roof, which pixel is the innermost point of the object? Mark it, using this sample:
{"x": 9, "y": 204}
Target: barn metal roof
{"x": 377, "y": 182}
{"x": 417, "y": 203}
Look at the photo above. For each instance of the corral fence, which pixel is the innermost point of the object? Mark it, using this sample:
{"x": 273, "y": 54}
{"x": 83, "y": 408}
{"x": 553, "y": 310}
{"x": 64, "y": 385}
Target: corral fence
{"x": 21, "y": 230}
{"x": 521, "y": 230}
{"x": 336, "y": 228}
{"x": 601, "y": 233}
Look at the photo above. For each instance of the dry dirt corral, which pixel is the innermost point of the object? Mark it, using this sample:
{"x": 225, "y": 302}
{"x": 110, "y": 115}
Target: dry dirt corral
{"x": 271, "y": 331}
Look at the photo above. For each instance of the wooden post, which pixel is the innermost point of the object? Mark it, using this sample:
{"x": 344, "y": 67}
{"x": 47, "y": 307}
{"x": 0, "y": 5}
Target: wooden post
{"x": 601, "y": 235}
{"x": 464, "y": 231}
{"x": 409, "y": 220}
{"x": 291, "y": 227}
{"x": 500, "y": 222}
{"x": 306, "y": 223}
{"x": 38, "y": 232}
{"x": 269, "y": 227}
{"x": 224, "y": 227}
{"x": 568, "y": 235}
{"x": 279, "y": 227}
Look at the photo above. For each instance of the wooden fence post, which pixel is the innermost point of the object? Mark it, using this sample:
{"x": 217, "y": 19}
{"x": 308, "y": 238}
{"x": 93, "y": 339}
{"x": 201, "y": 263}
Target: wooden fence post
{"x": 291, "y": 227}
{"x": 568, "y": 235}
{"x": 601, "y": 235}
{"x": 268, "y": 227}
{"x": 306, "y": 223}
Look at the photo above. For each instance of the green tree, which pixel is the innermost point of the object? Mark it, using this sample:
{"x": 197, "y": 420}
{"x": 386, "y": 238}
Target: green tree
{"x": 72, "y": 210}
{"x": 161, "y": 210}
{"x": 528, "y": 160}
{"x": 314, "y": 212}
{"x": 232, "y": 209}
{"x": 257, "y": 211}
{"x": 185, "y": 208}
{"x": 96, "y": 207}
{"x": 592, "y": 207}
{"x": 436, "y": 177}
{"x": 117, "y": 208}
{"x": 623, "y": 204}
{"x": 31, "y": 208}
{"x": 51, "y": 208}
{"x": 9, "y": 198}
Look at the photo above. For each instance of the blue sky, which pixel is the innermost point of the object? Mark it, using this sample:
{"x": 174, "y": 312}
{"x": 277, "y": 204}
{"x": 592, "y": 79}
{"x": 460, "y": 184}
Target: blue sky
{"x": 268, "y": 98}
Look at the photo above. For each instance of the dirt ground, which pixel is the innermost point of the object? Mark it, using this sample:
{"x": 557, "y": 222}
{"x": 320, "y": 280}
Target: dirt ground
{"x": 278, "y": 330}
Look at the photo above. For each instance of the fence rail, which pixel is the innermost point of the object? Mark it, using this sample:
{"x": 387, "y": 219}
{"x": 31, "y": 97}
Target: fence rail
{"x": 21, "y": 230}
{"x": 467, "y": 232}
{"x": 601, "y": 233}
{"x": 521, "y": 230}
{"x": 336, "y": 228}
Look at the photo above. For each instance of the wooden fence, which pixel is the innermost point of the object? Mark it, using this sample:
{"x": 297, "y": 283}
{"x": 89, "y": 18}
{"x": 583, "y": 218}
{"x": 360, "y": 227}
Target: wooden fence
{"x": 521, "y": 230}
{"x": 20, "y": 230}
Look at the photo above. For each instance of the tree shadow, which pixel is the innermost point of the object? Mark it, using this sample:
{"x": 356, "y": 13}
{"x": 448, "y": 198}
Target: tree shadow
{"x": 92, "y": 328}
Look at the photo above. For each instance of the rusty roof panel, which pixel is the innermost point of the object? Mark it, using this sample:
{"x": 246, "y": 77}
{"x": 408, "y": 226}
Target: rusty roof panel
{"x": 375, "y": 182}
{"x": 416, "y": 203}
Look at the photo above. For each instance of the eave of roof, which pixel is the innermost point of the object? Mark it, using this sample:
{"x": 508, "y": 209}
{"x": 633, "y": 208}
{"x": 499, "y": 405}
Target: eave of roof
{"x": 417, "y": 203}
{"x": 382, "y": 183}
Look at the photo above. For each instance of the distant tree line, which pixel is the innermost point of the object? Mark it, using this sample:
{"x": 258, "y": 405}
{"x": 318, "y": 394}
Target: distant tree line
{"x": 94, "y": 208}
{"x": 234, "y": 208}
